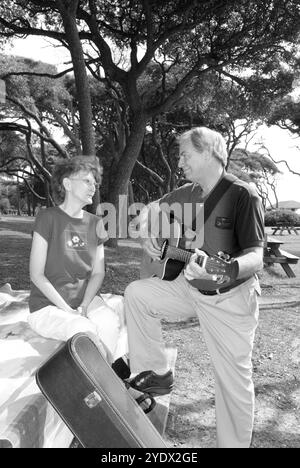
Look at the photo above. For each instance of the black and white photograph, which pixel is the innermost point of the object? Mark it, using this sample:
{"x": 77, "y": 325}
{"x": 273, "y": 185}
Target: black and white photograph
{"x": 149, "y": 226}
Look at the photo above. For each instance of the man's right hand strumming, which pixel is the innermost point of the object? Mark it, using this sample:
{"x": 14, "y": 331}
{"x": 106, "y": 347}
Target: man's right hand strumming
{"x": 151, "y": 247}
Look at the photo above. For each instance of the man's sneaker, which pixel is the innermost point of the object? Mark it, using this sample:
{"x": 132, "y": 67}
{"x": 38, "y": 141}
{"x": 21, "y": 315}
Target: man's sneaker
{"x": 150, "y": 382}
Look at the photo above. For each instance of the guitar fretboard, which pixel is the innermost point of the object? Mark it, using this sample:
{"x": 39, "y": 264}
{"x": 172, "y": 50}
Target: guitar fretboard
{"x": 182, "y": 255}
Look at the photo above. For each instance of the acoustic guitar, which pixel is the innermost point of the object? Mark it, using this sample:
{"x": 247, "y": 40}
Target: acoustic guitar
{"x": 174, "y": 258}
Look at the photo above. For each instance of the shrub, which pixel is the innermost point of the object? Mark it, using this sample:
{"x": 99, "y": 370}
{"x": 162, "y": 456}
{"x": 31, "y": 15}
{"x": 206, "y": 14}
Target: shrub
{"x": 282, "y": 217}
{"x": 4, "y": 205}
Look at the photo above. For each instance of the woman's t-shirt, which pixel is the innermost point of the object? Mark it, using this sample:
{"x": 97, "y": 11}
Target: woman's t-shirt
{"x": 72, "y": 244}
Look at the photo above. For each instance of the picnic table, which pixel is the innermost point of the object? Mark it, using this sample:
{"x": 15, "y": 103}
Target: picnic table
{"x": 281, "y": 228}
{"x": 274, "y": 254}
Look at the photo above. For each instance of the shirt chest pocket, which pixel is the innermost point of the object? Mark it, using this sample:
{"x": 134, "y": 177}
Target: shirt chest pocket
{"x": 219, "y": 234}
{"x": 224, "y": 223}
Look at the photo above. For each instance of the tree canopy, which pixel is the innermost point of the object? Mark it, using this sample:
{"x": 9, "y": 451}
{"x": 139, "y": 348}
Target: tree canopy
{"x": 149, "y": 53}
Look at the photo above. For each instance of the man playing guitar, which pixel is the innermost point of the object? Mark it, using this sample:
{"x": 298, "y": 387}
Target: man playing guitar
{"x": 222, "y": 294}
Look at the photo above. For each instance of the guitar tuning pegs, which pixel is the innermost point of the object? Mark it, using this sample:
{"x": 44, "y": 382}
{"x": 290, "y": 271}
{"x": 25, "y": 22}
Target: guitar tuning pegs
{"x": 224, "y": 256}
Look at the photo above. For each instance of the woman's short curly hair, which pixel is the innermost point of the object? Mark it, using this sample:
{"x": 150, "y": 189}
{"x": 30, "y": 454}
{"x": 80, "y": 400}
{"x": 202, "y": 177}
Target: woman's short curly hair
{"x": 205, "y": 138}
{"x": 66, "y": 167}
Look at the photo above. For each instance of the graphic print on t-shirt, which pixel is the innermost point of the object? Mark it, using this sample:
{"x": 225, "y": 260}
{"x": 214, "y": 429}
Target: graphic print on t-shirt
{"x": 76, "y": 240}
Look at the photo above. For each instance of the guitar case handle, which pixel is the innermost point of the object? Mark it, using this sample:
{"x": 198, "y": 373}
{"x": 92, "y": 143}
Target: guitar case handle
{"x": 145, "y": 397}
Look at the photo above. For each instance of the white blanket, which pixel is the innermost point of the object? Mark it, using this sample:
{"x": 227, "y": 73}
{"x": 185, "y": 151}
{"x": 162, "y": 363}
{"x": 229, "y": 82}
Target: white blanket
{"x": 26, "y": 418}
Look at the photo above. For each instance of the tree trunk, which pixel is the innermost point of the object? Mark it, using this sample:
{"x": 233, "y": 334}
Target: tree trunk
{"x": 122, "y": 176}
{"x": 28, "y": 203}
{"x": 68, "y": 11}
{"x": 130, "y": 194}
{"x": 18, "y": 198}
{"x": 46, "y": 183}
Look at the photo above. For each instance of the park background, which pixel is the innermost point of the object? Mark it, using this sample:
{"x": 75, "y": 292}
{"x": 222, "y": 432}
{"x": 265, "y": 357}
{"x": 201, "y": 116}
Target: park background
{"x": 135, "y": 74}
{"x": 121, "y": 80}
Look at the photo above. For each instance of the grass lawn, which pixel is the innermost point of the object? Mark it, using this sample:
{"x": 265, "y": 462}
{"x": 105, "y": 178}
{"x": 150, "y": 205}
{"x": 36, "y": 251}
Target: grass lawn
{"x": 276, "y": 354}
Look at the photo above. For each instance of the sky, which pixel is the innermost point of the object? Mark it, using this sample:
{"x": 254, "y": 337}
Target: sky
{"x": 41, "y": 49}
{"x": 280, "y": 143}
{"x": 282, "y": 146}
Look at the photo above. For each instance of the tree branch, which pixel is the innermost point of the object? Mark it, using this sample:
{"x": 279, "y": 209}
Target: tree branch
{"x": 280, "y": 162}
{"x": 30, "y": 31}
{"x": 161, "y": 154}
{"x": 40, "y": 167}
{"x": 238, "y": 80}
{"x": 115, "y": 73}
{"x": 40, "y": 124}
{"x": 12, "y": 160}
{"x": 31, "y": 189}
{"x": 151, "y": 173}
{"x": 149, "y": 23}
{"x": 176, "y": 94}
{"x": 66, "y": 129}
{"x": 46, "y": 75}
{"x": 14, "y": 127}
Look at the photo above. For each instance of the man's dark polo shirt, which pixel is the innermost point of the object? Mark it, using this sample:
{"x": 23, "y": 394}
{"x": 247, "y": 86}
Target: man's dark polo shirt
{"x": 236, "y": 223}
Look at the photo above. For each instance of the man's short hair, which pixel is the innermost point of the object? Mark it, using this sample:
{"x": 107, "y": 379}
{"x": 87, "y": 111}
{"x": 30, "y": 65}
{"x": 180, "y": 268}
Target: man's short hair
{"x": 205, "y": 138}
{"x": 66, "y": 167}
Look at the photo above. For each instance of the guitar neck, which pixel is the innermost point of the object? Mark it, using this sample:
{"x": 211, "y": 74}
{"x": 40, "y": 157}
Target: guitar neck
{"x": 184, "y": 256}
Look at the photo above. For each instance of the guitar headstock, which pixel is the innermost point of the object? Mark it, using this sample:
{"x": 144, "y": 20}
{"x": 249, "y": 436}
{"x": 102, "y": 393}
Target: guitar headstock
{"x": 220, "y": 266}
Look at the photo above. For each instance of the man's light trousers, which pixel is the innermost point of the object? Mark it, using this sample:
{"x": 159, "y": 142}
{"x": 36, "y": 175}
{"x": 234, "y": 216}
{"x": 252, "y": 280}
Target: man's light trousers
{"x": 228, "y": 322}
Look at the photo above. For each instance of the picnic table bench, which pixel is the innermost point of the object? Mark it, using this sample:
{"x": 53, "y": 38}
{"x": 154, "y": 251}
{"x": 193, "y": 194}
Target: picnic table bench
{"x": 274, "y": 254}
{"x": 281, "y": 228}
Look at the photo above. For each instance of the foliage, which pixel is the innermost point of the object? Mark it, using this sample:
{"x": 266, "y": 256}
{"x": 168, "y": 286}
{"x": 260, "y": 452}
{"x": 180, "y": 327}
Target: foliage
{"x": 222, "y": 105}
{"x": 4, "y": 205}
{"x": 282, "y": 217}
{"x": 149, "y": 55}
{"x": 286, "y": 114}
{"x": 285, "y": 110}
{"x": 11, "y": 152}
{"x": 255, "y": 168}
{"x": 32, "y": 94}
{"x": 36, "y": 106}
{"x": 255, "y": 165}
{"x": 37, "y": 92}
